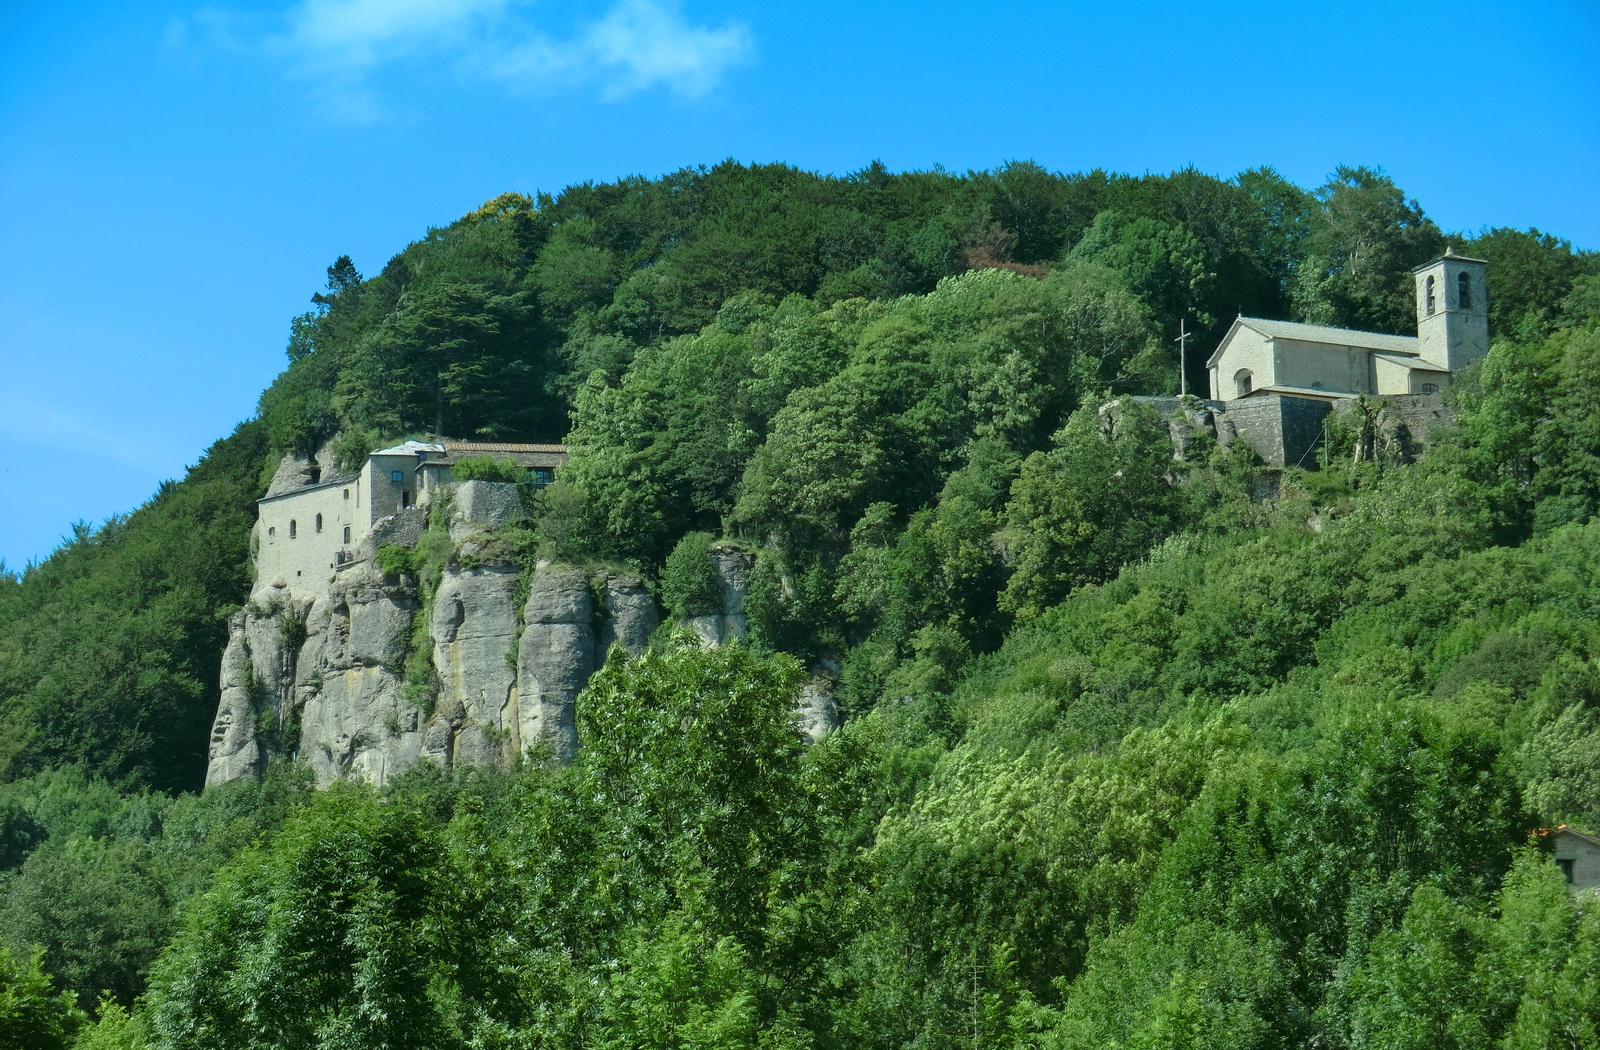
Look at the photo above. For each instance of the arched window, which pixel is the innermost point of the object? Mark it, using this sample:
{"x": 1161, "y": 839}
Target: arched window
{"x": 293, "y": 528}
{"x": 1432, "y": 304}
{"x": 319, "y": 522}
{"x": 1464, "y": 288}
{"x": 272, "y": 530}
{"x": 1241, "y": 382}
{"x": 1430, "y": 388}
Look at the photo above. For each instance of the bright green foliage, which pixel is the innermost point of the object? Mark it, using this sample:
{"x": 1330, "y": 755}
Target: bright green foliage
{"x": 114, "y": 1029}
{"x": 1092, "y": 504}
{"x": 322, "y": 941}
{"x": 488, "y": 468}
{"x": 1451, "y": 976}
{"x": 690, "y": 585}
{"x": 32, "y": 1016}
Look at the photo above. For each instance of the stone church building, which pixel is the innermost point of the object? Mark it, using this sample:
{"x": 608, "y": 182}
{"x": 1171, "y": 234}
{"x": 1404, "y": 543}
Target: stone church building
{"x": 1274, "y": 383}
{"x": 1260, "y": 358}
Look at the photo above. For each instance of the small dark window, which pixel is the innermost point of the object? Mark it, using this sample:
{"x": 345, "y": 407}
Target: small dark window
{"x": 272, "y": 530}
{"x": 347, "y": 534}
{"x": 1565, "y": 864}
{"x": 1432, "y": 303}
{"x": 293, "y": 528}
{"x": 319, "y": 522}
{"x": 397, "y": 476}
{"x": 1464, "y": 288}
{"x": 1430, "y": 388}
{"x": 346, "y": 493}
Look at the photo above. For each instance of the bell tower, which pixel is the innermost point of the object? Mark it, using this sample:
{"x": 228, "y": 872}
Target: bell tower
{"x": 1452, "y": 310}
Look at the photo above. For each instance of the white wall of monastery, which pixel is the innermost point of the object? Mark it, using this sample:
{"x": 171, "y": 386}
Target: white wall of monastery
{"x": 1249, "y": 351}
{"x": 293, "y": 550}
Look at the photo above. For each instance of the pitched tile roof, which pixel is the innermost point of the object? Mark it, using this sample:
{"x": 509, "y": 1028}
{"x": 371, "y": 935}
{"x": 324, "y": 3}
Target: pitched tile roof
{"x": 499, "y": 446}
{"x": 1319, "y": 333}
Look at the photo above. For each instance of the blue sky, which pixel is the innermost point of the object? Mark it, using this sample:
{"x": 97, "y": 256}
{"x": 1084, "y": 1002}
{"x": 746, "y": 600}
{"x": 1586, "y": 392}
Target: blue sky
{"x": 175, "y": 177}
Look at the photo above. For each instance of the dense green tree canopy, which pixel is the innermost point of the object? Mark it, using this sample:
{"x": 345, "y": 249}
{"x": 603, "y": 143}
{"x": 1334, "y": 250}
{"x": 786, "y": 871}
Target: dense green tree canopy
{"x": 1139, "y": 750}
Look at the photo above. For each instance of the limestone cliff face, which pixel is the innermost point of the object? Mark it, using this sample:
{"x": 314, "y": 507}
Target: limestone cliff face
{"x": 353, "y": 718}
{"x": 327, "y": 680}
{"x": 728, "y": 623}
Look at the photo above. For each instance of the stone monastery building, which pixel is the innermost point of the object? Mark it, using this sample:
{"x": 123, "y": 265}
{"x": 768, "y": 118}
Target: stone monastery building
{"x": 309, "y": 526}
{"x": 1274, "y": 383}
{"x": 1259, "y": 357}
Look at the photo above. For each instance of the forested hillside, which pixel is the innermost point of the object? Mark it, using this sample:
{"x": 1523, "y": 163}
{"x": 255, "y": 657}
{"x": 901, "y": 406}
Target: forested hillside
{"x": 1137, "y": 752}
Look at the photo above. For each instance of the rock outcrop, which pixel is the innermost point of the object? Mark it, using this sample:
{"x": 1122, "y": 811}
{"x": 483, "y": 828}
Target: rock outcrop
{"x": 728, "y": 623}
{"x": 473, "y": 628}
{"x": 555, "y": 659}
{"x": 344, "y": 681}
{"x": 481, "y": 506}
{"x": 354, "y": 717}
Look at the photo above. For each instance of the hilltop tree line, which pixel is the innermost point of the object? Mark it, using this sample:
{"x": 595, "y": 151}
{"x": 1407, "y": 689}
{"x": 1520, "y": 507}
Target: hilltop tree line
{"x": 1133, "y": 755}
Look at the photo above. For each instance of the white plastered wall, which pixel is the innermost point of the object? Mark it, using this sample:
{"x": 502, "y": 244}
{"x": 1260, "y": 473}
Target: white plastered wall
{"x": 1250, "y": 351}
{"x": 290, "y": 549}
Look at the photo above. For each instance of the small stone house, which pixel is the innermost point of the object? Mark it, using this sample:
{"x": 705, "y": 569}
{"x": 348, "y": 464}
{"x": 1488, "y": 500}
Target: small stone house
{"x": 1259, "y": 357}
{"x": 1577, "y": 854}
{"x": 309, "y": 525}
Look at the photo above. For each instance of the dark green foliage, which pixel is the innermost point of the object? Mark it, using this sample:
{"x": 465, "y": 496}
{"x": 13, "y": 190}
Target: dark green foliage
{"x": 100, "y": 891}
{"x": 109, "y": 656}
{"x": 1360, "y": 247}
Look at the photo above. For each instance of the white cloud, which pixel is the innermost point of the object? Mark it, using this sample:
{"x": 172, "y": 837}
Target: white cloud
{"x": 356, "y": 34}
{"x": 649, "y": 44}
{"x": 341, "y": 46}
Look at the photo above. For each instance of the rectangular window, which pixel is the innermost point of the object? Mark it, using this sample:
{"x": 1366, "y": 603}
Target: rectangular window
{"x": 397, "y": 476}
{"x": 1565, "y": 864}
{"x": 347, "y": 534}
{"x": 543, "y": 475}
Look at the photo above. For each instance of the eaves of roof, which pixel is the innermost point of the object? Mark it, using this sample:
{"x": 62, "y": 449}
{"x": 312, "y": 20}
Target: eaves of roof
{"x": 342, "y": 479}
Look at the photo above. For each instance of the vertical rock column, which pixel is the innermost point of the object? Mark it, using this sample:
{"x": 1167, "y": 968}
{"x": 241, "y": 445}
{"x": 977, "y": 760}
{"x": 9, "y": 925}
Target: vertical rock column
{"x": 554, "y": 658}
{"x": 235, "y": 750}
{"x": 631, "y": 617}
{"x": 474, "y": 626}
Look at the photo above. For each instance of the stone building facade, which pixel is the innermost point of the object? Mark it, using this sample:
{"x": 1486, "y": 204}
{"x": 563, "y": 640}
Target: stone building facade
{"x": 309, "y": 526}
{"x": 1265, "y": 358}
{"x": 1577, "y": 854}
